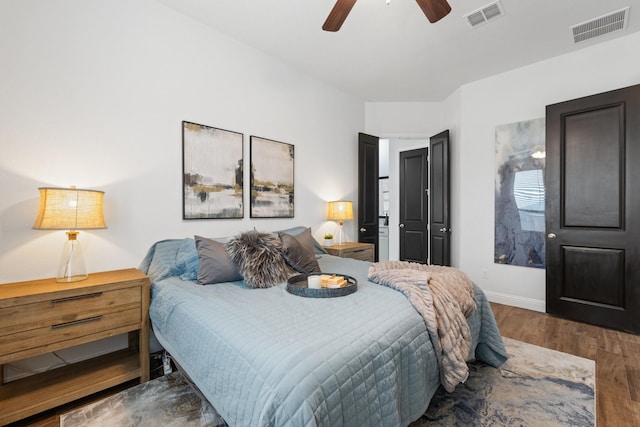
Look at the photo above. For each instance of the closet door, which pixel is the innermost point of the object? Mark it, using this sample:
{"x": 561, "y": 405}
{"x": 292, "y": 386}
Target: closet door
{"x": 414, "y": 205}
{"x": 439, "y": 218}
{"x": 593, "y": 209}
{"x": 368, "y": 216}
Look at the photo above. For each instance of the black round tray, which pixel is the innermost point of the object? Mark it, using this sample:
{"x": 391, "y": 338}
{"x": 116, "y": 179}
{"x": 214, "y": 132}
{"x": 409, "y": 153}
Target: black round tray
{"x": 297, "y": 285}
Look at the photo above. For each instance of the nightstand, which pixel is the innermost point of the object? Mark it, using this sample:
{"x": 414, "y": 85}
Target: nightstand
{"x": 43, "y": 316}
{"x": 355, "y": 250}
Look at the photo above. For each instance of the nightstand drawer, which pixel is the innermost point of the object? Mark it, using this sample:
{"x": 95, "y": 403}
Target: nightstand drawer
{"x": 354, "y": 250}
{"x": 67, "y": 308}
{"x": 19, "y": 345}
{"x": 46, "y": 325}
{"x": 365, "y": 254}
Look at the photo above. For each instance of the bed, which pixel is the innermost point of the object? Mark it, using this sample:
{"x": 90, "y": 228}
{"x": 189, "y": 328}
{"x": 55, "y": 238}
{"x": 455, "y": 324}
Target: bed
{"x": 266, "y": 357}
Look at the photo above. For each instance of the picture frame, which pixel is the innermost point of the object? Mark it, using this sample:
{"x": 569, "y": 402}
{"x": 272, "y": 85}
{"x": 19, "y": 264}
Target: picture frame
{"x": 212, "y": 172}
{"x": 272, "y": 178}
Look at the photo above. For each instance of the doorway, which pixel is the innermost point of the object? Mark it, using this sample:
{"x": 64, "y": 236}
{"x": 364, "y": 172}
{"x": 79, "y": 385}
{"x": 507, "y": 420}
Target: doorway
{"x": 396, "y": 147}
{"x": 383, "y": 201}
{"x": 368, "y": 193}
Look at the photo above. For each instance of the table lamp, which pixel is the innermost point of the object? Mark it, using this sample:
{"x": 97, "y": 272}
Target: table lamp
{"x": 340, "y": 211}
{"x": 70, "y": 209}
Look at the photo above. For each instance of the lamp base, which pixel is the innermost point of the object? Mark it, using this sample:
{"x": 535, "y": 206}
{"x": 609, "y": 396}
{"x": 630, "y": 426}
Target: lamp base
{"x": 341, "y": 237}
{"x": 71, "y": 268}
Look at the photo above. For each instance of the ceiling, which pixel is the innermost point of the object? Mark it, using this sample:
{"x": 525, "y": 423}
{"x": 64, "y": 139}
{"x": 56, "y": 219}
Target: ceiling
{"x": 388, "y": 53}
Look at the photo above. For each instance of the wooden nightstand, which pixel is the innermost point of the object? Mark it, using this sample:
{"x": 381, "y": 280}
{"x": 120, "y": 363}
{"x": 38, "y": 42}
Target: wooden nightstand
{"x": 42, "y": 316}
{"x": 361, "y": 251}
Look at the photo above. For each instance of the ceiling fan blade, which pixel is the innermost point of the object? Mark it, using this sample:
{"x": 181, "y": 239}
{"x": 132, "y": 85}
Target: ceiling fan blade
{"x": 434, "y": 9}
{"x": 338, "y": 14}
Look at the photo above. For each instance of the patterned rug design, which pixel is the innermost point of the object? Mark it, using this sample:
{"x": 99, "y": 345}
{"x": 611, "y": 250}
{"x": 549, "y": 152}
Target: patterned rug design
{"x": 168, "y": 401}
{"x": 535, "y": 387}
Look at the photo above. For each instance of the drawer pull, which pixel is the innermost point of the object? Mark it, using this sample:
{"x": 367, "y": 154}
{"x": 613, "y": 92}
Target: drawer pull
{"x": 359, "y": 250}
{"x": 76, "y": 322}
{"x": 77, "y": 297}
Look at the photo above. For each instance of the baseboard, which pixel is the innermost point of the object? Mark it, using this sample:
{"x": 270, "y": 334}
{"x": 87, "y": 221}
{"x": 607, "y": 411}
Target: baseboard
{"x": 516, "y": 301}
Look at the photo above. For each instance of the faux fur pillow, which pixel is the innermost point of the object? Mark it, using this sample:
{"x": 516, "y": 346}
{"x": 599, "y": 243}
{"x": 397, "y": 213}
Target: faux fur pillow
{"x": 258, "y": 258}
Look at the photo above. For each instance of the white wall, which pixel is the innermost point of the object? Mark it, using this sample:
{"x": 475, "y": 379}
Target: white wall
{"x": 403, "y": 119}
{"x": 471, "y": 114}
{"x": 519, "y": 95}
{"x": 93, "y": 94}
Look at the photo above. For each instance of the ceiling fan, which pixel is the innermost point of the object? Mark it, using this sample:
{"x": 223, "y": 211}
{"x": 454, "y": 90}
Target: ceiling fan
{"x": 434, "y": 9}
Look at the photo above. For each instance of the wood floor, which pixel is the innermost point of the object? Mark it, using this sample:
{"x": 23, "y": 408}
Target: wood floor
{"x": 617, "y": 357}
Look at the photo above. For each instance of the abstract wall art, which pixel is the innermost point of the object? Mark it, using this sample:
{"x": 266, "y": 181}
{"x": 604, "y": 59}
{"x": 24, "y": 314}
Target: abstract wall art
{"x": 272, "y": 194}
{"x": 520, "y": 194}
{"x": 212, "y": 172}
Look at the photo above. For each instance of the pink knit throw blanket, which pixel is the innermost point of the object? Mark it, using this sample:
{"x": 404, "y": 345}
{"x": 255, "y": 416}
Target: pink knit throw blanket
{"x": 444, "y": 298}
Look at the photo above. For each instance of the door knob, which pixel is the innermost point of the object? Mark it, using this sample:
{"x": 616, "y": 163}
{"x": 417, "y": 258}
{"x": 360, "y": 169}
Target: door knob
{"x": 551, "y": 236}
{"x": 362, "y": 230}
{"x": 443, "y": 230}
{"x": 401, "y": 225}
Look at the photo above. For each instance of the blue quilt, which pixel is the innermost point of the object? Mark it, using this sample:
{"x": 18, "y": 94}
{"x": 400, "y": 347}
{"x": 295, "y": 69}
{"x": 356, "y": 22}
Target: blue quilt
{"x": 264, "y": 357}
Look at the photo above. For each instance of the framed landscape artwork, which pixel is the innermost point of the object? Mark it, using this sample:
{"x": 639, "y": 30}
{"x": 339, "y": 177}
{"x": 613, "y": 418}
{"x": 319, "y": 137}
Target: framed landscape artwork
{"x": 212, "y": 172}
{"x": 272, "y": 194}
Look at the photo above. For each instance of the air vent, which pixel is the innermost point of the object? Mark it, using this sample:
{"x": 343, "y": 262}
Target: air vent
{"x": 485, "y": 14}
{"x": 600, "y": 26}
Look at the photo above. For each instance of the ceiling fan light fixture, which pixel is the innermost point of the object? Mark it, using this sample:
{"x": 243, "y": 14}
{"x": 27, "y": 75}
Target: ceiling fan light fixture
{"x": 435, "y": 10}
{"x": 338, "y": 14}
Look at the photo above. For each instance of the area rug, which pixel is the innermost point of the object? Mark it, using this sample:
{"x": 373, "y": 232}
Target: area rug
{"x": 168, "y": 401}
{"x": 535, "y": 387}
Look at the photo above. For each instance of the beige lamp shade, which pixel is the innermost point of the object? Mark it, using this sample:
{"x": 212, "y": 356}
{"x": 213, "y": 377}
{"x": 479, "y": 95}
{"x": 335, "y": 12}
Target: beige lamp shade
{"x": 70, "y": 209}
{"x": 340, "y": 211}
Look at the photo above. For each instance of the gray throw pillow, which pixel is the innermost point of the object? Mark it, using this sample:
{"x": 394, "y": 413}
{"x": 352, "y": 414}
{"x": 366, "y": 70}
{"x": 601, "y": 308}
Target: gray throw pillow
{"x": 258, "y": 258}
{"x": 298, "y": 252}
{"x": 214, "y": 265}
{"x": 294, "y": 231}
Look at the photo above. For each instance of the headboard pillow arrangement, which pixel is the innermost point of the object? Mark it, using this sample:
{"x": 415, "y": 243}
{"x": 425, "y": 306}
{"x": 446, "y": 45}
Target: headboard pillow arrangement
{"x": 261, "y": 259}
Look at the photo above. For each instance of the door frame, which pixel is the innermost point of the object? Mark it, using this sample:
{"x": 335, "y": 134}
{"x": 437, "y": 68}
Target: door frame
{"x": 396, "y": 146}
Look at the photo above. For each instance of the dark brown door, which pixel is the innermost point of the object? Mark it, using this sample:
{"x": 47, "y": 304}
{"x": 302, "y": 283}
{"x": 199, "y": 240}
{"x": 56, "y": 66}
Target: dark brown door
{"x": 440, "y": 224}
{"x": 414, "y": 205}
{"x": 593, "y": 209}
{"x": 368, "y": 155}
